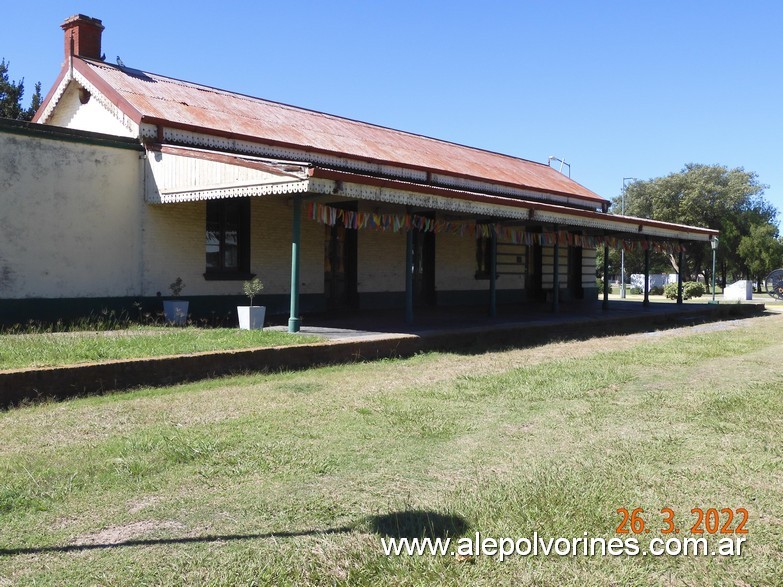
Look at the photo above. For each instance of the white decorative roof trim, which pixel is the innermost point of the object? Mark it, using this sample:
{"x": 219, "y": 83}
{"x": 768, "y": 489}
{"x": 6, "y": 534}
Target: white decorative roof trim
{"x": 235, "y": 145}
{"x": 610, "y": 224}
{"x": 172, "y": 197}
{"x": 58, "y": 94}
{"x": 472, "y": 186}
{"x": 148, "y": 131}
{"x": 106, "y": 103}
{"x": 408, "y": 198}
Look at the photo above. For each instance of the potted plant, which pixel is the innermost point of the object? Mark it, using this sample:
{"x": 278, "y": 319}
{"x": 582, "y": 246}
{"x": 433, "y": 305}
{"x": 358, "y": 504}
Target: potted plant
{"x": 176, "y": 310}
{"x": 252, "y": 317}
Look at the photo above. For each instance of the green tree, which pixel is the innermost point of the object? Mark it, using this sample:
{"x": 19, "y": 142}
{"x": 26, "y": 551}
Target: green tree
{"x": 714, "y": 196}
{"x": 11, "y": 94}
{"x": 762, "y": 250}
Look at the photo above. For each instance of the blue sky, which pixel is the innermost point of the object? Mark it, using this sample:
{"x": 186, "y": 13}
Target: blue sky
{"x": 616, "y": 89}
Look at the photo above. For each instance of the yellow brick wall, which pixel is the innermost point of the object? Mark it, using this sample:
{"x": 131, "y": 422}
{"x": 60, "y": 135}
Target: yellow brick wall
{"x": 174, "y": 247}
{"x": 455, "y": 266}
{"x": 380, "y": 256}
{"x": 270, "y": 255}
{"x": 381, "y": 260}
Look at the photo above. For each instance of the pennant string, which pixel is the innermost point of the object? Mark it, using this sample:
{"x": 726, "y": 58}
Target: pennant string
{"x": 332, "y": 216}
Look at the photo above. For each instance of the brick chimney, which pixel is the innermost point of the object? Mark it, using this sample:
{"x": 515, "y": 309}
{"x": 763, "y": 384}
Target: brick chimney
{"x": 83, "y": 34}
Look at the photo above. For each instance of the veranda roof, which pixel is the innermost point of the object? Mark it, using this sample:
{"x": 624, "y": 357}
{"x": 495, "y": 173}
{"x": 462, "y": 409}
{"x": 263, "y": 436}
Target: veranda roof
{"x": 182, "y": 174}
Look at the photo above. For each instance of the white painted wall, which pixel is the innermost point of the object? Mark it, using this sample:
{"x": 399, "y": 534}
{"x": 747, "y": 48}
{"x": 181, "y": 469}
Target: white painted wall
{"x": 92, "y": 116}
{"x": 74, "y": 224}
{"x": 69, "y": 219}
{"x": 548, "y": 263}
{"x": 588, "y": 267}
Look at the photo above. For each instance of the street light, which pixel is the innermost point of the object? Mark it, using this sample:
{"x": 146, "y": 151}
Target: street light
{"x": 553, "y": 158}
{"x": 714, "y": 245}
{"x": 622, "y": 249}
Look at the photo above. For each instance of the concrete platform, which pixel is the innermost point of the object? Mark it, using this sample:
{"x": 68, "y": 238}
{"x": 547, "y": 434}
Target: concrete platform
{"x": 367, "y": 336}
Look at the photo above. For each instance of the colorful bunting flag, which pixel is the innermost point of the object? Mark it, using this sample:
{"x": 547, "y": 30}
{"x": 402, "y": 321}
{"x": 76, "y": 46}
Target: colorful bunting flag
{"x": 331, "y": 216}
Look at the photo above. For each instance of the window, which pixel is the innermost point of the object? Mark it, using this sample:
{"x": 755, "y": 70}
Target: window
{"x": 228, "y": 239}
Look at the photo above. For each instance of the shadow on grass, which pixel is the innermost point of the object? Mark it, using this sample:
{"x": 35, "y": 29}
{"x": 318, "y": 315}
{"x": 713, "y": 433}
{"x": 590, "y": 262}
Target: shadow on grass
{"x": 183, "y": 540}
{"x": 417, "y": 524}
{"x": 404, "y": 524}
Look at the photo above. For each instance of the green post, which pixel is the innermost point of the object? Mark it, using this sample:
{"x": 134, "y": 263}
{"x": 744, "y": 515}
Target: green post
{"x": 493, "y": 266}
{"x": 605, "y": 304}
{"x": 409, "y": 278}
{"x": 713, "y": 276}
{"x": 296, "y": 238}
{"x": 556, "y": 274}
{"x": 679, "y": 277}
{"x": 646, "y": 277}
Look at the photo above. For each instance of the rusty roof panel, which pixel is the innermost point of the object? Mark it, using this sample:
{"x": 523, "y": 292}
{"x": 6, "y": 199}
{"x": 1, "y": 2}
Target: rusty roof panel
{"x": 218, "y": 111}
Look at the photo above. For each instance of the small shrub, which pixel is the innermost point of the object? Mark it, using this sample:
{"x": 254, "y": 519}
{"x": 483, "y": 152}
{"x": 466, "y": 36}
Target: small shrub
{"x": 635, "y": 290}
{"x": 252, "y": 288}
{"x": 600, "y": 285}
{"x": 176, "y": 287}
{"x": 657, "y": 291}
{"x": 690, "y": 289}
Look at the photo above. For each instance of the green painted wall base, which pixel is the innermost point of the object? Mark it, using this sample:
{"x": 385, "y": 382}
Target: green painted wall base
{"x": 222, "y": 310}
{"x": 209, "y": 310}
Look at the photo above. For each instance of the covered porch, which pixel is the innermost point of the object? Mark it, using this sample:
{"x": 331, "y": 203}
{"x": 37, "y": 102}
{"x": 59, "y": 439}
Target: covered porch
{"x": 411, "y": 246}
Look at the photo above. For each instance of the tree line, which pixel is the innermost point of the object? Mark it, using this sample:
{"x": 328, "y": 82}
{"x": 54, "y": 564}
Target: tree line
{"x": 714, "y": 196}
{"x": 12, "y": 93}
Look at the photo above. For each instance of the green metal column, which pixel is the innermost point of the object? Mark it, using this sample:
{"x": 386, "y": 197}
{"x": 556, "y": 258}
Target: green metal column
{"x": 556, "y": 274}
{"x": 493, "y": 266}
{"x": 679, "y": 277}
{"x": 605, "y": 304}
{"x": 296, "y": 238}
{"x": 647, "y": 277}
{"x": 409, "y": 278}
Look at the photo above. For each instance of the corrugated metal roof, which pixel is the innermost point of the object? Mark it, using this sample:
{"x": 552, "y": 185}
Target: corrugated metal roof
{"x": 186, "y": 104}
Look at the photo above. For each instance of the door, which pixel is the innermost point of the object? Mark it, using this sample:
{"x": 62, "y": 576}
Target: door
{"x": 423, "y": 268}
{"x": 340, "y": 262}
{"x": 533, "y": 279}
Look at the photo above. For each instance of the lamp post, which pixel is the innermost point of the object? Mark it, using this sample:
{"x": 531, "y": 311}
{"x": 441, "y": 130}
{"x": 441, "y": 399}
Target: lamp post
{"x": 622, "y": 249}
{"x": 714, "y": 245}
{"x": 553, "y": 158}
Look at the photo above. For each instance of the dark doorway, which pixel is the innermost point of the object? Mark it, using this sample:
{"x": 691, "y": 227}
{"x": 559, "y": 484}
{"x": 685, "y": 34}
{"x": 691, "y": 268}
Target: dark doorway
{"x": 533, "y": 282}
{"x": 575, "y": 273}
{"x": 423, "y": 268}
{"x": 340, "y": 267}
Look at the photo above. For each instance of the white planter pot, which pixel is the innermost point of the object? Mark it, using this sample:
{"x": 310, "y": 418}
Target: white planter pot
{"x": 175, "y": 311}
{"x": 251, "y": 317}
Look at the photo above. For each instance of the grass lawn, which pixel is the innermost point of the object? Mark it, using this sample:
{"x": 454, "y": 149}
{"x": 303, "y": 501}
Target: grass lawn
{"x": 294, "y": 479}
{"x": 68, "y": 348}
